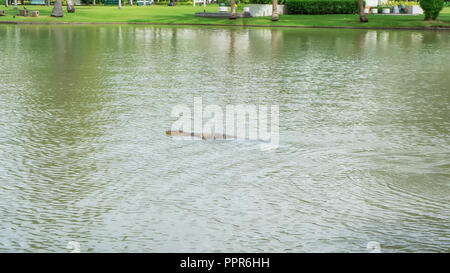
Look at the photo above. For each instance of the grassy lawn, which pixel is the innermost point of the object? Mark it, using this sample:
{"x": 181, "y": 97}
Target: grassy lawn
{"x": 185, "y": 15}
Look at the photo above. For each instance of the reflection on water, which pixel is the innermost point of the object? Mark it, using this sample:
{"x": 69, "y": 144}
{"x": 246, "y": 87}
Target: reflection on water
{"x": 363, "y": 156}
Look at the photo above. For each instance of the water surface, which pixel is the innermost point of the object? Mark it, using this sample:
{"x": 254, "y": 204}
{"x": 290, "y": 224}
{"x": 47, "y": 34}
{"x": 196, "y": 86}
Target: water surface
{"x": 364, "y": 140}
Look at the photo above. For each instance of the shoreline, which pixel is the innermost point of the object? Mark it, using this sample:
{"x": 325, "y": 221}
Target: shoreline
{"x": 437, "y": 28}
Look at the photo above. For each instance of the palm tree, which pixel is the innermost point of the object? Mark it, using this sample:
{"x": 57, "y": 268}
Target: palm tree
{"x": 274, "y": 10}
{"x": 362, "y": 16}
{"x": 70, "y": 6}
{"x": 57, "y": 9}
{"x": 233, "y": 9}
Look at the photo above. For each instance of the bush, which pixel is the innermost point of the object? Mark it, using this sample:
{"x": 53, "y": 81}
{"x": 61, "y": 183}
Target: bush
{"x": 225, "y": 2}
{"x": 322, "y": 6}
{"x": 266, "y": 2}
{"x": 431, "y": 8}
{"x": 380, "y": 9}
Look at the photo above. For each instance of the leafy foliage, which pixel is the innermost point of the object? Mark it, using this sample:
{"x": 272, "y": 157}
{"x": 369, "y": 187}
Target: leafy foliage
{"x": 267, "y": 2}
{"x": 322, "y": 6}
{"x": 431, "y": 8}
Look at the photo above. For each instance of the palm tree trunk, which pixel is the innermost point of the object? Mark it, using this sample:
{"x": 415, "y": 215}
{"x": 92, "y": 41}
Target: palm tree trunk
{"x": 57, "y": 9}
{"x": 70, "y": 6}
{"x": 233, "y": 9}
{"x": 362, "y": 16}
{"x": 274, "y": 10}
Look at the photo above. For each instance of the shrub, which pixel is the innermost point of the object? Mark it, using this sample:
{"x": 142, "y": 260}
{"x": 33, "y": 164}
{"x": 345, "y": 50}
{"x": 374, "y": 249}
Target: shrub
{"x": 226, "y": 2}
{"x": 266, "y": 2}
{"x": 380, "y": 9}
{"x": 322, "y": 6}
{"x": 431, "y": 8}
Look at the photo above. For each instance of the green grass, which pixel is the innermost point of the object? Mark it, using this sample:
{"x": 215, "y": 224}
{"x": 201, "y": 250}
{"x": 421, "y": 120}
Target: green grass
{"x": 185, "y": 15}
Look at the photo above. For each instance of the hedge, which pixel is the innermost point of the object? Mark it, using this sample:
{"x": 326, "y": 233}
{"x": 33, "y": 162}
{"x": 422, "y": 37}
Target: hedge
{"x": 431, "y": 8}
{"x": 322, "y": 6}
{"x": 266, "y": 2}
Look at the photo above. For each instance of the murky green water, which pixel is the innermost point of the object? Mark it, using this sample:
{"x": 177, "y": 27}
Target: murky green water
{"x": 364, "y": 149}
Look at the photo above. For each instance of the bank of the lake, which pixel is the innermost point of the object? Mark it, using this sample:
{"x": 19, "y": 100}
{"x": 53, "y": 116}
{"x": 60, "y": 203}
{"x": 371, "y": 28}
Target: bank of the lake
{"x": 184, "y": 15}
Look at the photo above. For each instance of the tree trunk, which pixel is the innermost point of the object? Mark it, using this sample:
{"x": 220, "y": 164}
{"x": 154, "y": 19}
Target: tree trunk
{"x": 362, "y": 16}
{"x": 94, "y": 2}
{"x": 48, "y": 3}
{"x": 233, "y": 9}
{"x": 274, "y": 10}
{"x": 120, "y": 4}
{"x": 57, "y": 9}
{"x": 6, "y": 3}
{"x": 15, "y": 4}
{"x": 70, "y": 6}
